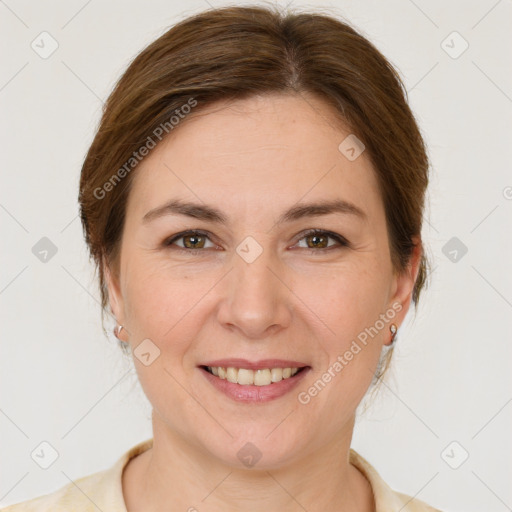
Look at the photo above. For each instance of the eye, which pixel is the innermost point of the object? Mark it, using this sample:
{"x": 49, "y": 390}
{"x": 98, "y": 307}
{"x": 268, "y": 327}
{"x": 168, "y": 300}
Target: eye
{"x": 319, "y": 239}
{"x": 191, "y": 241}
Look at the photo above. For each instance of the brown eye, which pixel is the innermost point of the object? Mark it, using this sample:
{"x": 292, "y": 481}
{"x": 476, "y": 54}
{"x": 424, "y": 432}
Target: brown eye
{"x": 315, "y": 241}
{"x": 189, "y": 240}
{"x": 318, "y": 239}
{"x": 193, "y": 241}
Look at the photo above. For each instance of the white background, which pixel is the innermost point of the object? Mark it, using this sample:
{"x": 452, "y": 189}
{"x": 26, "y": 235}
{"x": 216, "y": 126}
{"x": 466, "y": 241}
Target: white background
{"x": 63, "y": 382}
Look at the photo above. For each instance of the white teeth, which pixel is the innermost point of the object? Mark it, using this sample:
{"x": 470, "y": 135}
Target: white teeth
{"x": 277, "y": 374}
{"x": 262, "y": 377}
{"x": 232, "y": 374}
{"x": 245, "y": 377}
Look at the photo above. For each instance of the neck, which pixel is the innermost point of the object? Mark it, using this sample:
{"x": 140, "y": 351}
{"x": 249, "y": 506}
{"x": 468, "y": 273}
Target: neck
{"x": 176, "y": 473}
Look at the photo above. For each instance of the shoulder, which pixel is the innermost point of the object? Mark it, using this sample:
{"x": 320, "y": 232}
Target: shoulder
{"x": 410, "y": 504}
{"x": 386, "y": 498}
{"x": 99, "y": 491}
{"x": 77, "y": 496}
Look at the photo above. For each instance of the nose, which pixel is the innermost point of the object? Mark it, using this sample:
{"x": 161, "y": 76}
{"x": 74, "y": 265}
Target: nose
{"x": 256, "y": 298}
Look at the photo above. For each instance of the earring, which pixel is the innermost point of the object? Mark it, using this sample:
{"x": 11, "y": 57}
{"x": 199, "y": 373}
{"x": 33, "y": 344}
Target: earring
{"x": 117, "y": 331}
{"x": 393, "y": 328}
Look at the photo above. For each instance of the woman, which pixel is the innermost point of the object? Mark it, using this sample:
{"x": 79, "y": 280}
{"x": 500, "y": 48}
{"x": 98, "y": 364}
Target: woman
{"x": 253, "y": 200}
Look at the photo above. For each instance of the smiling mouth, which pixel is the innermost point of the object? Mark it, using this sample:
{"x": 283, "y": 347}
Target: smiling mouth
{"x": 247, "y": 377}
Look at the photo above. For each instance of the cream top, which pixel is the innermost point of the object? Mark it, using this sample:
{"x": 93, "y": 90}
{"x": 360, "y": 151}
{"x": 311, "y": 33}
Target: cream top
{"x": 102, "y": 491}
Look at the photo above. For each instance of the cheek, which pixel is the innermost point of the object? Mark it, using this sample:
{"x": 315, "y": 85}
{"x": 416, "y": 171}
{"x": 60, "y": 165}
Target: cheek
{"x": 160, "y": 301}
{"x": 161, "y": 305}
{"x": 350, "y": 306}
{"x": 348, "y": 299}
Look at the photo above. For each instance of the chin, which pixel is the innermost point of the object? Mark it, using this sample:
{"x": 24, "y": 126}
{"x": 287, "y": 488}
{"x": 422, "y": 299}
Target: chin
{"x": 256, "y": 450}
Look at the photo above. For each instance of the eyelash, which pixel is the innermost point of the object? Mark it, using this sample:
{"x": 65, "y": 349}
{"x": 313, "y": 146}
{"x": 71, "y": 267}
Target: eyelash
{"x": 342, "y": 242}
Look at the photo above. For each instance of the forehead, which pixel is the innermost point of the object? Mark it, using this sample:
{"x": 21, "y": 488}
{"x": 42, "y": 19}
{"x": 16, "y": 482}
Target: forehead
{"x": 277, "y": 121}
{"x": 269, "y": 149}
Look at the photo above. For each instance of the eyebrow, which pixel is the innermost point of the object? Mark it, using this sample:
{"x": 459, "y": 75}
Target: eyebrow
{"x": 212, "y": 214}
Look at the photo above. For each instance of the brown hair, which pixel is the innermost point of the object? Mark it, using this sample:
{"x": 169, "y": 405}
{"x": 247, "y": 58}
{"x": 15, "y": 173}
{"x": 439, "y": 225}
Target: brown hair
{"x": 234, "y": 53}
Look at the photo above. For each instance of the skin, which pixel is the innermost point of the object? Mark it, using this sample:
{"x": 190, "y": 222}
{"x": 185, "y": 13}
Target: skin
{"x": 253, "y": 159}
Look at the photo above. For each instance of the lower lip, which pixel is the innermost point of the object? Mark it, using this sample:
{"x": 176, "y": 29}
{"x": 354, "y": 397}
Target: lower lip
{"x": 241, "y": 393}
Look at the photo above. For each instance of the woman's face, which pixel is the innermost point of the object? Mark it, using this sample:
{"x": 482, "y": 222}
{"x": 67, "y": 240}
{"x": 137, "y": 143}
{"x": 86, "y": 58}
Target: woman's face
{"x": 256, "y": 285}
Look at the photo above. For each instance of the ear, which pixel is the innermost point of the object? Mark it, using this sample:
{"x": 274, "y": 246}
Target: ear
{"x": 403, "y": 285}
{"x": 114, "y": 294}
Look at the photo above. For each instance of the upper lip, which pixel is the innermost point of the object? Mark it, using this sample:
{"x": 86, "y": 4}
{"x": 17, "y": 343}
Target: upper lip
{"x": 254, "y": 365}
